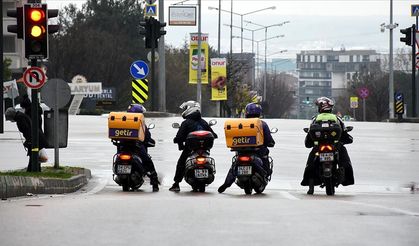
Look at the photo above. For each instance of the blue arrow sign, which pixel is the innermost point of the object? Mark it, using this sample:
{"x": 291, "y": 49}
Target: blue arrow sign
{"x": 139, "y": 69}
{"x": 415, "y": 10}
{"x": 399, "y": 96}
{"x": 151, "y": 10}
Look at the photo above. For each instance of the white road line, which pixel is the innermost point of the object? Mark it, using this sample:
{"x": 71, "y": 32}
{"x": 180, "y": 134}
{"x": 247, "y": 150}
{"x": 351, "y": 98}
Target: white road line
{"x": 287, "y": 195}
{"x": 397, "y": 210}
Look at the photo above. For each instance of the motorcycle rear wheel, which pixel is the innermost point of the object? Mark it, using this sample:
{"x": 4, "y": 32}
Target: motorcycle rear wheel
{"x": 248, "y": 191}
{"x": 330, "y": 187}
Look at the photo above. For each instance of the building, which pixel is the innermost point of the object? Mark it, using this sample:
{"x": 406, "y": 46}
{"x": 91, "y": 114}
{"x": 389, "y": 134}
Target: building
{"x": 327, "y": 73}
{"x": 12, "y": 46}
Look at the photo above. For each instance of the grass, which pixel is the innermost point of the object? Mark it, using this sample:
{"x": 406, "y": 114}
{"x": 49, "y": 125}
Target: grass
{"x": 46, "y": 172}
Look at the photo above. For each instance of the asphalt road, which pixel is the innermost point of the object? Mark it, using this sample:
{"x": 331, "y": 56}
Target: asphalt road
{"x": 378, "y": 210}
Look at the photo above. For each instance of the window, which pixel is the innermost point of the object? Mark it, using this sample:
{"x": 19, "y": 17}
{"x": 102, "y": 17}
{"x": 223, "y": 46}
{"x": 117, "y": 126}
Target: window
{"x": 309, "y": 91}
{"x": 348, "y": 76}
{"x": 365, "y": 58}
{"x": 351, "y": 58}
{"x": 9, "y": 44}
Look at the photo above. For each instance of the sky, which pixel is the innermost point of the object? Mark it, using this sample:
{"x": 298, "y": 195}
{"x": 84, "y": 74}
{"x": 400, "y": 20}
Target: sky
{"x": 313, "y": 24}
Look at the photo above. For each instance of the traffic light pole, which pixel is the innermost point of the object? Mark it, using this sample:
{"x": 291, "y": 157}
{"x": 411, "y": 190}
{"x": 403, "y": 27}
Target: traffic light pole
{"x": 153, "y": 82}
{"x": 413, "y": 71}
{"x": 1, "y": 74}
{"x": 34, "y": 152}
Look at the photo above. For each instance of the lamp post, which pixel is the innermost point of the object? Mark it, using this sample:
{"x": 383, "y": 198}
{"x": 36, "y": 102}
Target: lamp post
{"x": 266, "y": 39}
{"x": 241, "y": 18}
{"x": 257, "y": 51}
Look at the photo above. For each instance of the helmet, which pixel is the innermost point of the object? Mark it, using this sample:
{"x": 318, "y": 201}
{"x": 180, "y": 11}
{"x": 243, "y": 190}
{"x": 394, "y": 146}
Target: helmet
{"x": 324, "y": 104}
{"x": 253, "y": 110}
{"x": 136, "y": 108}
{"x": 10, "y": 114}
{"x": 189, "y": 108}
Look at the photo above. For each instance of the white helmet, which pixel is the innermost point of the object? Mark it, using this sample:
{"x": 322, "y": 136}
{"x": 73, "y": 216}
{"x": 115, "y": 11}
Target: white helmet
{"x": 189, "y": 108}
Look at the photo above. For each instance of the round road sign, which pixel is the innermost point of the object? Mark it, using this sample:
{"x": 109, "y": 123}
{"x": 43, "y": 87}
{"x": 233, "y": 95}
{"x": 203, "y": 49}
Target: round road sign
{"x": 56, "y": 93}
{"x": 34, "y": 77}
{"x": 363, "y": 92}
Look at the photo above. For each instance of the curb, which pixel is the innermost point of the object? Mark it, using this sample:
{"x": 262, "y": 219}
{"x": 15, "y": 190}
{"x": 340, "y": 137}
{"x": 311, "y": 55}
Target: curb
{"x": 14, "y": 186}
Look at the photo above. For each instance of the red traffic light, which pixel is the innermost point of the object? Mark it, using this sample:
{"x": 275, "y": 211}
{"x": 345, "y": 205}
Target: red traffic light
{"x": 36, "y": 15}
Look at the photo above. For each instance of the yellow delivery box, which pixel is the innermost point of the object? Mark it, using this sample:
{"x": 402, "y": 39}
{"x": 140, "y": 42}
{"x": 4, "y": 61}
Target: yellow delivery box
{"x": 123, "y": 125}
{"x": 243, "y": 132}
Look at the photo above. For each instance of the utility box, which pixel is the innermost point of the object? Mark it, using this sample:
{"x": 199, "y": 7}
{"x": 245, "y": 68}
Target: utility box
{"x": 243, "y": 132}
{"x": 62, "y": 128}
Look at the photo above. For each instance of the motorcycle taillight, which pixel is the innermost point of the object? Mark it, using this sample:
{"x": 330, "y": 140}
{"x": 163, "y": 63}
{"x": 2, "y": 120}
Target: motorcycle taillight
{"x": 244, "y": 158}
{"x": 125, "y": 157}
{"x": 326, "y": 148}
{"x": 200, "y": 160}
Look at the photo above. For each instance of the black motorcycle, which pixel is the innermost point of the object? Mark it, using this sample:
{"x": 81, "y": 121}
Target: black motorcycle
{"x": 200, "y": 167}
{"x": 329, "y": 174}
{"x": 250, "y": 171}
{"x": 128, "y": 170}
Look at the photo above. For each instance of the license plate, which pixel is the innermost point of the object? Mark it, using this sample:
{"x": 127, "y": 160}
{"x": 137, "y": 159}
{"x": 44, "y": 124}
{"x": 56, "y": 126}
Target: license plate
{"x": 123, "y": 169}
{"x": 244, "y": 170}
{"x": 201, "y": 173}
{"x": 326, "y": 156}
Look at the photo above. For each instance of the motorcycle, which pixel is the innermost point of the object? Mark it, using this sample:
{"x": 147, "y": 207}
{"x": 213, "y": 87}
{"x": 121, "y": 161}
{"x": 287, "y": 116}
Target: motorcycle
{"x": 127, "y": 167}
{"x": 326, "y": 137}
{"x": 250, "y": 172}
{"x": 200, "y": 166}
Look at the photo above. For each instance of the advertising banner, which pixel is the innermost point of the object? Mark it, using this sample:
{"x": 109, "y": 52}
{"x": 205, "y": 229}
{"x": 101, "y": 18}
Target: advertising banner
{"x": 218, "y": 79}
{"x": 193, "y": 58}
{"x": 182, "y": 16}
{"x": 10, "y": 89}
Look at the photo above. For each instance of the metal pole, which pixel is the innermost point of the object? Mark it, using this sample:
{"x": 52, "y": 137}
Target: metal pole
{"x": 231, "y": 33}
{"x": 154, "y": 86}
{"x": 34, "y": 152}
{"x": 198, "y": 87}
{"x": 56, "y": 125}
{"x": 413, "y": 71}
{"x": 241, "y": 35}
{"x": 391, "y": 76}
{"x": 1, "y": 73}
{"x": 363, "y": 109}
{"x": 162, "y": 63}
{"x": 220, "y": 103}
{"x": 253, "y": 52}
{"x": 266, "y": 72}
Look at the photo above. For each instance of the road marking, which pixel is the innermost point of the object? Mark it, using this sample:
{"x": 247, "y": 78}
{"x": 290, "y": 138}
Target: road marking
{"x": 397, "y": 210}
{"x": 287, "y": 195}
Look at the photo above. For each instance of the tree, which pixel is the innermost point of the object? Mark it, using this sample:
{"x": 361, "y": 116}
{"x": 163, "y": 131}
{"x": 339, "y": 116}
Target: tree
{"x": 280, "y": 94}
{"x": 7, "y": 73}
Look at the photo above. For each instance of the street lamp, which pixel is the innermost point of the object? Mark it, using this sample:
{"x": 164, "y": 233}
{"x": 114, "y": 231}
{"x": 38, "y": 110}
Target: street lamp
{"x": 266, "y": 34}
{"x": 257, "y": 49}
{"x": 241, "y": 18}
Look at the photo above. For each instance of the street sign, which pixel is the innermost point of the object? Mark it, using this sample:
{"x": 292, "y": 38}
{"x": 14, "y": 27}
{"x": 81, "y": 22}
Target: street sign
{"x": 10, "y": 89}
{"x": 139, "y": 69}
{"x": 156, "y": 56}
{"x": 363, "y": 92}
{"x": 139, "y": 90}
{"x": 34, "y": 77}
{"x": 56, "y": 93}
{"x": 151, "y": 10}
{"x": 414, "y": 10}
{"x": 354, "y": 102}
{"x": 399, "y": 103}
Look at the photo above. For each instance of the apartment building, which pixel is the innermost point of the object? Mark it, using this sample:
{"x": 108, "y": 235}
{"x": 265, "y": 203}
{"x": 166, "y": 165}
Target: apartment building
{"x": 327, "y": 73}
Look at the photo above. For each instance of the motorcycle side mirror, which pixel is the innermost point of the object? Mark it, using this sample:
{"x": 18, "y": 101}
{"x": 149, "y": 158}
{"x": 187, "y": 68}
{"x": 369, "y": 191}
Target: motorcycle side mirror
{"x": 349, "y": 128}
{"x": 175, "y": 125}
{"x": 274, "y": 130}
{"x": 151, "y": 126}
{"x": 212, "y": 122}
{"x": 305, "y": 130}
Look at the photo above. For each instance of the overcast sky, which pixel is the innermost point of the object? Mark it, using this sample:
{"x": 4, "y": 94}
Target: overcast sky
{"x": 327, "y": 24}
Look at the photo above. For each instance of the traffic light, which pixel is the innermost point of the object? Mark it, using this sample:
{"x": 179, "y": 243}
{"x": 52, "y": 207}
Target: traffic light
{"x": 408, "y": 38}
{"x": 152, "y": 31}
{"x": 52, "y": 13}
{"x": 147, "y": 32}
{"x": 157, "y": 29}
{"x": 18, "y": 28}
{"x": 36, "y": 30}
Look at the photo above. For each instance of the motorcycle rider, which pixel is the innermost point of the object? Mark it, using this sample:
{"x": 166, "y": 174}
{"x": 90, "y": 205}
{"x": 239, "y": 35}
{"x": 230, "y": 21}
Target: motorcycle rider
{"x": 325, "y": 106}
{"x": 254, "y": 110}
{"x": 193, "y": 122}
{"x": 141, "y": 148}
